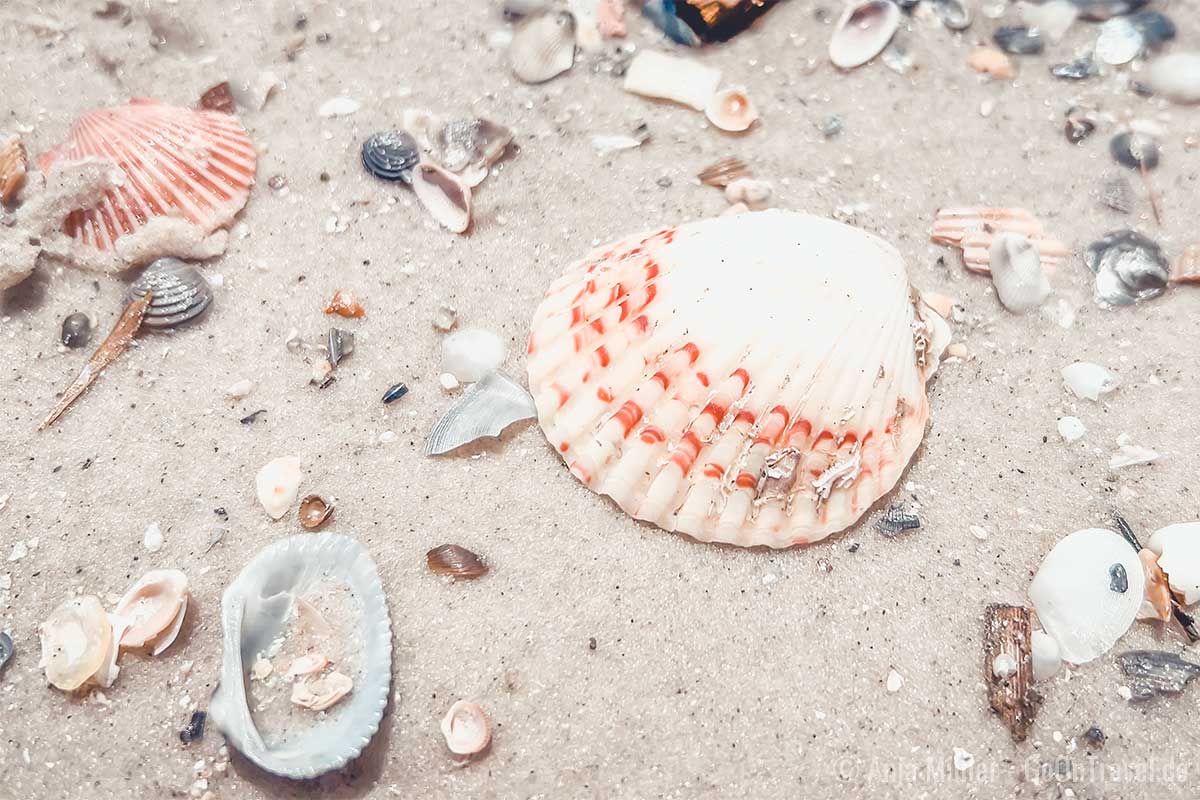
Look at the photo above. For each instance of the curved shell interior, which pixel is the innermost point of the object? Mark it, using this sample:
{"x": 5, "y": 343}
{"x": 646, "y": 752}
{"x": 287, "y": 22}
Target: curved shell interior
{"x": 756, "y": 379}
{"x": 253, "y": 612}
{"x": 153, "y": 606}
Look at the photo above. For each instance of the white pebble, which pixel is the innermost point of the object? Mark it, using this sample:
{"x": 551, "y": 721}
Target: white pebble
{"x": 1071, "y": 429}
{"x": 979, "y": 532}
{"x": 240, "y": 389}
{"x": 278, "y": 484}
{"x": 338, "y": 107}
{"x": 894, "y": 681}
{"x": 152, "y": 539}
{"x": 1004, "y": 665}
{"x": 448, "y": 381}
{"x": 387, "y": 436}
{"x": 19, "y": 551}
{"x": 1017, "y": 273}
{"x": 963, "y": 760}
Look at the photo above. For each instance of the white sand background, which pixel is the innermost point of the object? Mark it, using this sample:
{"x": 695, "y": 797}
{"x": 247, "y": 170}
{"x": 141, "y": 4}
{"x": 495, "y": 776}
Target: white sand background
{"x": 717, "y": 672}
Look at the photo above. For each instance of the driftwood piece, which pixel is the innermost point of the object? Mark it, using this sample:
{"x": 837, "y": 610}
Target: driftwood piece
{"x": 1008, "y": 631}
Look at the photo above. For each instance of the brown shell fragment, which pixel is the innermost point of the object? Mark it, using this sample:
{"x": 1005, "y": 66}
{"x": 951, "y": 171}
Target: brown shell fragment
{"x": 456, "y": 561}
{"x": 1186, "y": 268}
{"x": 345, "y": 304}
{"x": 314, "y": 512}
{"x": 973, "y": 229}
{"x": 721, "y": 173}
{"x": 1158, "y": 591}
{"x": 1007, "y": 635}
{"x": 12, "y": 168}
{"x": 218, "y": 98}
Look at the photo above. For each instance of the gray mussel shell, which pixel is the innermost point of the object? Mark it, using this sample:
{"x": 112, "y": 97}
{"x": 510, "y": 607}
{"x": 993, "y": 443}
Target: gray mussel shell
{"x": 180, "y": 293}
{"x": 1129, "y": 268}
{"x": 253, "y": 612}
{"x": 486, "y": 409}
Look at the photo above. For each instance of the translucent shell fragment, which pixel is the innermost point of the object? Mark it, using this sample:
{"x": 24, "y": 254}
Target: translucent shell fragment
{"x": 154, "y": 609}
{"x": 76, "y": 641}
{"x": 756, "y": 379}
{"x": 177, "y": 163}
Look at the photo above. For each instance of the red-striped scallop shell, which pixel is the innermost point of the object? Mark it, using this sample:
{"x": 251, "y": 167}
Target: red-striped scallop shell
{"x": 756, "y": 379}
{"x": 177, "y": 162}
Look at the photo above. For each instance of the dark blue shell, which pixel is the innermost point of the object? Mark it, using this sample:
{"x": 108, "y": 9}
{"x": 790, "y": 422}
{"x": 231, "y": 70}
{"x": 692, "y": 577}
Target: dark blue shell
{"x": 391, "y": 155}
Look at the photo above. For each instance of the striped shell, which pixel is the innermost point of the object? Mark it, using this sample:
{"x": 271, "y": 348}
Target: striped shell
{"x": 192, "y": 165}
{"x": 756, "y": 379}
{"x": 179, "y": 292}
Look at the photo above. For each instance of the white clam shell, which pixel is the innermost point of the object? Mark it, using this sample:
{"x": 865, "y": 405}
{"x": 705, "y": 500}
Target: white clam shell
{"x": 1178, "y": 550}
{"x": 1046, "y": 657}
{"x": 278, "y": 485}
{"x": 731, "y": 109}
{"x": 153, "y": 609}
{"x": 253, "y": 612}
{"x": 756, "y": 379}
{"x": 1088, "y": 380}
{"x": 466, "y": 728}
{"x": 486, "y": 409}
{"x": 1074, "y": 596}
{"x": 864, "y": 29}
{"x": 666, "y": 77}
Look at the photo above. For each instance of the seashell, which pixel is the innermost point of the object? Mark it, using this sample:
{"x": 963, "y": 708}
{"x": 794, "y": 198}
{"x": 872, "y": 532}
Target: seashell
{"x": 455, "y": 561}
{"x": 1119, "y": 42}
{"x": 474, "y": 144}
{"x": 338, "y": 345}
{"x": 1079, "y": 125}
{"x": 1175, "y": 76}
{"x": 321, "y": 693}
{"x": 1129, "y": 268}
{"x": 180, "y": 293}
{"x": 106, "y": 676}
{"x": 543, "y": 46}
{"x": 751, "y": 191}
{"x": 1186, "y": 268}
{"x": 218, "y": 98}
{"x": 973, "y": 230}
{"x": 1132, "y": 455}
{"x": 896, "y": 56}
{"x": 705, "y": 390}
{"x": 444, "y": 196}
{"x": 278, "y": 484}
{"x": 153, "y": 609}
{"x": 254, "y": 611}
{"x": 314, "y": 512}
{"x": 390, "y": 155}
{"x": 991, "y": 62}
{"x": 1018, "y": 40}
{"x": 1156, "y": 28}
{"x": 1088, "y": 380}
{"x": 471, "y": 353}
{"x": 954, "y": 14}
{"x": 1008, "y": 660}
{"x": 344, "y": 304}
{"x": 1052, "y": 19}
{"x": 667, "y": 77}
{"x": 1157, "y": 604}
{"x": 1136, "y": 150}
{"x": 6, "y": 649}
{"x": 1155, "y": 672}
{"x": 1087, "y": 592}
{"x": 610, "y": 18}
{"x": 76, "y": 330}
{"x": 195, "y": 728}
{"x": 466, "y": 728}
{"x": 1017, "y": 273}
{"x": 1080, "y": 69}
{"x": 1100, "y": 10}
{"x": 338, "y": 107}
{"x": 695, "y": 21}
{"x": 310, "y": 664}
{"x": 1178, "y": 550}
{"x": 486, "y": 409}
{"x": 865, "y": 28}
{"x": 722, "y": 173}
{"x": 394, "y": 393}
{"x": 515, "y": 9}
{"x": 176, "y": 163}
{"x": 731, "y": 109}
{"x": 1047, "y": 658}
{"x": 12, "y": 169}
{"x": 1117, "y": 194}
{"x": 75, "y": 642}
{"x": 1071, "y": 429}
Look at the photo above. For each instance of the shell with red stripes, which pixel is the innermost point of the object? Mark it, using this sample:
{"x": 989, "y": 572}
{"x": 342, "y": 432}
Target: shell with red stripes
{"x": 196, "y": 166}
{"x": 757, "y": 379}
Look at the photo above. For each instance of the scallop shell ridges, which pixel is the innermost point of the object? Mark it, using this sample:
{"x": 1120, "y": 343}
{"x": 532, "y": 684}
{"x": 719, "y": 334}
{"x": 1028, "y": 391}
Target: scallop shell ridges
{"x": 756, "y": 379}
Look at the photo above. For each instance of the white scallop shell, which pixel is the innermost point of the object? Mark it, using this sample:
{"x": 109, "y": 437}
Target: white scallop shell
{"x": 1073, "y": 593}
{"x": 254, "y": 610}
{"x": 864, "y": 29}
{"x": 1178, "y": 550}
{"x": 756, "y": 379}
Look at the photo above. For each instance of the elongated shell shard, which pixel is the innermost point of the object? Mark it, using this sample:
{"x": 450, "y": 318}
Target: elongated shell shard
{"x": 486, "y": 409}
{"x": 1087, "y": 592}
{"x": 665, "y": 77}
{"x": 444, "y": 196}
{"x": 177, "y": 163}
{"x": 756, "y": 379}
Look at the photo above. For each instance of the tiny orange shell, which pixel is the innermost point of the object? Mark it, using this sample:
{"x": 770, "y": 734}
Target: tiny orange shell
{"x": 314, "y": 512}
{"x": 345, "y": 304}
{"x": 992, "y": 62}
{"x": 12, "y": 168}
{"x": 456, "y": 561}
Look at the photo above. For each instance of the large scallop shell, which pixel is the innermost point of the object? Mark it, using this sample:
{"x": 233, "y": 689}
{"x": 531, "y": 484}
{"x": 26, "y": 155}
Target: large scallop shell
{"x": 756, "y": 379}
{"x": 254, "y": 610}
{"x": 192, "y": 165}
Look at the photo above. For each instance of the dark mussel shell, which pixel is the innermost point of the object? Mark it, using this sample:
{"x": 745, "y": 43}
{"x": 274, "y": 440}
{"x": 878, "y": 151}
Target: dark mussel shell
{"x": 1129, "y": 268}
{"x": 1078, "y": 70}
{"x": 391, "y": 155}
{"x": 456, "y": 561}
{"x": 1078, "y": 127}
{"x": 1100, "y": 10}
{"x": 1156, "y": 672}
{"x": 954, "y": 14}
{"x": 1019, "y": 40}
{"x": 180, "y": 293}
{"x": 1136, "y": 150}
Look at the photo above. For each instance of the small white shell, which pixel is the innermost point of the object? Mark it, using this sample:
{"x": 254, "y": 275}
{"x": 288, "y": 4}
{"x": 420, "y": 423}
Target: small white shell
{"x": 1087, "y": 592}
{"x": 1017, "y": 273}
{"x": 543, "y": 46}
{"x": 865, "y": 28}
{"x": 471, "y": 353}
{"x": 106, "y": 676}
{"x": 254, "y": 610}
{"x": 486, "y": 409}
{"x": 444, "y": 196}
{"x": 278, "y": 485}
{"x": 1071, "y": 428}
{"x": 1178, "y": 550}
{"x": 466, "y": 728}
{"x": 665, "y": 77}
{"x": 1089, "y": 380}
{"x": 731, "y": 109}
{"x": 1047, "y": 660}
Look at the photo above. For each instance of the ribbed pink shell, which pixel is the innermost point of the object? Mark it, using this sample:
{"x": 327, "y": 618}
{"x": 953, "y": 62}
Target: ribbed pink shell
{"x": 192, "y": 165}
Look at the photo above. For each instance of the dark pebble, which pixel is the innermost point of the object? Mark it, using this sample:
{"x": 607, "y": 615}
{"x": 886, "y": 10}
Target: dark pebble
{"x": 1078, "y": 127}
{"x": 1078, "y": 70}
{"x": 76, "y": 330}
{"x": 251, "y": 418}
{"x": 395, "y": 393}
{"x": 1100, "y": 10}
{"x": 1018, "y": 40}
{"x": 195, "y": 728}
{"x": 1118, "y": 580}
{"x": 1094, "y": 737}
{"x": 591, "y": 643}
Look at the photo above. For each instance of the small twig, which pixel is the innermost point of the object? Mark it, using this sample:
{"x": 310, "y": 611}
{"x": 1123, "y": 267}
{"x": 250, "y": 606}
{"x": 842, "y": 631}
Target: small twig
{"x": 1154, "y": 200}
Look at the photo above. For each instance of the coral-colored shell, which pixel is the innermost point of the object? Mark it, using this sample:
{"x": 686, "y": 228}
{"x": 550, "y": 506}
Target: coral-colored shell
{"x": 973, "y": 229}
{"x": 192, "y": 165}
{"x": 756, "y": 379}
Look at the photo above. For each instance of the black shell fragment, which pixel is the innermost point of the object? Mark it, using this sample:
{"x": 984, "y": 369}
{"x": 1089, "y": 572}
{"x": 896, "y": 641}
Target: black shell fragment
{"x": 395, "y": 393}
{"x": 954, "y": 14}
{"x": 1118, "y": 580}
{"x": 1078, "y": 70}
{"x": 1156, "y": 28}
{"x": 76, "y": 329}
{"x": 1078, "y": 126}
{"x": 1136, "y": 150}
{"x": 390, "y": 155}
{"x": 194, "y": 729}
{"x": 1155, "y": 672}
{"x": 180, "y": 293}
{"x": 896, "y": 521}
{"x": 1019, "y": 40}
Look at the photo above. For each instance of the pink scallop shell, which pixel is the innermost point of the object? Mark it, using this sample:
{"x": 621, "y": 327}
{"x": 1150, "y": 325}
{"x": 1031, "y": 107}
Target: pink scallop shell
{"x": 177, "y": 162}
{"x": 756, "y": 379}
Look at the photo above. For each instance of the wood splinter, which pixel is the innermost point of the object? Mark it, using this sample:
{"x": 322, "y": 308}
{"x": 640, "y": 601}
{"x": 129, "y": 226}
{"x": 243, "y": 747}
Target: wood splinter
{"x": 1007, "y": 637}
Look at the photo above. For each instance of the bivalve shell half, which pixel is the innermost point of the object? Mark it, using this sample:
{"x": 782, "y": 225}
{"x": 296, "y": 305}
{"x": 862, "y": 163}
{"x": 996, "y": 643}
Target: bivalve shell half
{"x": 254, "y": 612}
{"x": 731, "y": 109}
{"x": 756, "y": 379}
{"x": 467, "y": 729}
{"x": 180, "y": 293}
{"x": 865, "y": 28}
{"x": 76, "y": 641}
{"x": 444, "y": 196}
{"x": 1087, "y": 592}
{"x": 153, "y": 610}
{"x": 543, "y": 46}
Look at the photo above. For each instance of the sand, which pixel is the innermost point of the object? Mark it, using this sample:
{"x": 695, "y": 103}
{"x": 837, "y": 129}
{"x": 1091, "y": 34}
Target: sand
{"x": 716, "y": 672}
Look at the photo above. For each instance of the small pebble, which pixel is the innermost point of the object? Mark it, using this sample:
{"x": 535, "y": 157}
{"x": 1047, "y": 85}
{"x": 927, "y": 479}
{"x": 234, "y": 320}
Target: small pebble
{"x": 963, "y": 760}
{"x": 194, "y": 729}
{"x": 1094, "y": 737}
{"x": 445, "y": 318}
{"x": 76, "y": 330}
{"x": 979, "y": 532}
{"x": 1071, "y": 429}
{"x": 152, "y": 539}
{"x": 894, "y": 681}
{"x": 237, "y": 391}
{"x": 448, "y": 381}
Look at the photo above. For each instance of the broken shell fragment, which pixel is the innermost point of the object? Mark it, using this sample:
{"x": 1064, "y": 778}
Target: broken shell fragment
{"x": 321, "y": 693}
{"x": 1087, "y": 592}
{"x": 1047, "y": 659}
{"x": 345, "y": 304}
{"x": 310, "y": 664}
{"x": 543, "y": 46}
{"x": 1017, "y": 273}
{"x": 864, "y": 29}
{"x": 154, "y": 608}
{"x": 180, "y": 293}
{"x": 390, "y": 155}
{"x": 486, "y": 409}
{"x": 466, "y": 728}
{"x": 455, "y": 561}
{"x": 257, "y": 608}
{"x": 731, "y": 109}
{"x": 991, "y": 62}
{"x": 314, "y": 512}
{"x": 1155, "y": 672}
{"x": 278, "y": 484}
{"x": 6, "y": 649}
{"x": 1157, "y": 604}
{"x": 444, "y": 196}
{"x": 721, "y": 173}
{"x": 1088, "y": 380}
{"x": 1119, "y": 41}
{"x": 1176, "y": 76}
{"x": 954, "y": 14}
{"x": 973, "y": 231}
{"x": 12, "y": 169}
{"x": 1019, "y": 40}
{"x": 1186, "y": 268}
{"x": 218, "y": 98}
{"x": 75, "y": 642}
{"x": 667, "y": 77}
{"x": 1129, "y": 268}
{"x": 338, "y": 344}
{"x": 1178, "y": 550}
{"x": 673, "y": 371}
{"x": 470, "y": 144}
{"x": 471, "y": 353}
